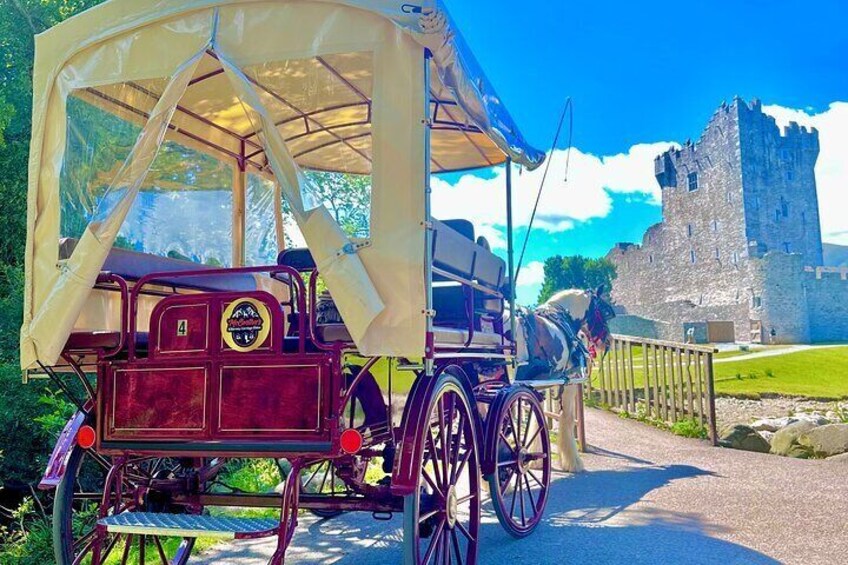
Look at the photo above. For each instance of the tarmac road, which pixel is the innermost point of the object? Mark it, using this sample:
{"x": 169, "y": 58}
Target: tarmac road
{"x": 648, "y": 497}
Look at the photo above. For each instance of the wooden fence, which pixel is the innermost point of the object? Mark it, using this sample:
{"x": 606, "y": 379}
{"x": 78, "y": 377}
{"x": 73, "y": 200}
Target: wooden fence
{"x": 660, "y": 380}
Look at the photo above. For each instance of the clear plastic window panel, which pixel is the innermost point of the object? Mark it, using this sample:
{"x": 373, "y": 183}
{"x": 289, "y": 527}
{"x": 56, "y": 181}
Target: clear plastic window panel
{"x": 322, "y": 108}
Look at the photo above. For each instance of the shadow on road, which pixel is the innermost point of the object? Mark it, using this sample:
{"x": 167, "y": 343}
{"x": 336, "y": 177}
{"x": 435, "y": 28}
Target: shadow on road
{"x": 585, "y": 522}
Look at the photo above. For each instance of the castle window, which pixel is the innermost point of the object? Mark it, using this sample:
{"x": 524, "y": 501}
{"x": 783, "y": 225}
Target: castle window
{"x": 787, "y": 247}
{"x": 777, "y": 215}
{"x": 784, "y": 207}
{"x": 693, "y": 181}
{"x": 718, "y": 253}
{"x": 692, "y": 257}
{"x": 756, "y": 301}
{"x": 735, "y": 257}
{"x": 803, "y": 217}
{"x": 689, "y": 230}
{"x": 789, "y": 175}
{"x": 729, "y": 197}
{"x": 650, "y": 258}
{"x": 715, "y": 226}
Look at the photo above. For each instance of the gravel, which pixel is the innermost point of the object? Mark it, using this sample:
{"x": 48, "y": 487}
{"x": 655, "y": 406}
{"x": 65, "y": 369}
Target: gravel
{"x": 741, "y": 410}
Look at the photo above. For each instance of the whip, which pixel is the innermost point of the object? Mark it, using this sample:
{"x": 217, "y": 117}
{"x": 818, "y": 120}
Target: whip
{"x": 568, "y": 109}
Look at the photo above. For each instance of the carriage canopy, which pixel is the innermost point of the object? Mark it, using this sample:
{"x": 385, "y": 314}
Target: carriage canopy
{"x": 196, "y": 129}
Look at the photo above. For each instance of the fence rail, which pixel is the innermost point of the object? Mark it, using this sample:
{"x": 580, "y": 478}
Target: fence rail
{"x": 661, "y": 380}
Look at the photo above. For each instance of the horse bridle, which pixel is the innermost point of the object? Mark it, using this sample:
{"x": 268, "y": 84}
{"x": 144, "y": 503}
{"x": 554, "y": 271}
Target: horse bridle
{"x": 597, "y": 323}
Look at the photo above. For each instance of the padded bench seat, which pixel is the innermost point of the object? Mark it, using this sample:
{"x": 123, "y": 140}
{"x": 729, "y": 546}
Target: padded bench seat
{"x": 87, "y": 341}
{"x": 444, "y": 336}
{"x": 132, "y": 266}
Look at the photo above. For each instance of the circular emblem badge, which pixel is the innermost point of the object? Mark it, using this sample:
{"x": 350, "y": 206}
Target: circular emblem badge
{"x": 245, "y": 324}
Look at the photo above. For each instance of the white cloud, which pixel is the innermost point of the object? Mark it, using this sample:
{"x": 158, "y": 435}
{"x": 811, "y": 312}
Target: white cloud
{"x": 583, "y": 196}
{"x": 832, "y": 165}
{"x": 533, "y": 273}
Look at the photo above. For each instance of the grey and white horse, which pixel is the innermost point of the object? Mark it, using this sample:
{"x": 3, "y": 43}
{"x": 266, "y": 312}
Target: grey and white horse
{"x": 558, "y": 341}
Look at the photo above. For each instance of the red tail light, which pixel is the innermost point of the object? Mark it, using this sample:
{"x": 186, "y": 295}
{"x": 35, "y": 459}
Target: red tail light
{"x": 351, "y": 441}
{"x": 86, "y": 437}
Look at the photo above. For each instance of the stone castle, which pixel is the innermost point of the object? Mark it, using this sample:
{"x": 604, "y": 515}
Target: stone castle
{"x": 738, "y": 255}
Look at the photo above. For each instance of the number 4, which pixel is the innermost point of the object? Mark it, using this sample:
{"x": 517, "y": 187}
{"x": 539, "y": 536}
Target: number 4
{"x": 182, "y": 328}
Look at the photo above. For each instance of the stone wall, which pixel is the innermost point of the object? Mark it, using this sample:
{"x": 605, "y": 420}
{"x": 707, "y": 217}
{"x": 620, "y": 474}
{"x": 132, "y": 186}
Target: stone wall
{"x": 827, "y": 303}
{"x": 778, "y": 300}
{"x": 779, "y": 185}
{"x": 643, "y": 327}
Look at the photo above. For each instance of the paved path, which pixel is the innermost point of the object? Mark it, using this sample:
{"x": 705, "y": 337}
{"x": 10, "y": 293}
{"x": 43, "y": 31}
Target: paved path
{"x": 774, "y": 352}
{"x": 647, "y": 498}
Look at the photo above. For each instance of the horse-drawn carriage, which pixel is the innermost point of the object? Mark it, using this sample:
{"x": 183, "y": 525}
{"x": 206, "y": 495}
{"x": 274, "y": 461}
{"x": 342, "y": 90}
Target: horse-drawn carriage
{"x": 171, "y": 142}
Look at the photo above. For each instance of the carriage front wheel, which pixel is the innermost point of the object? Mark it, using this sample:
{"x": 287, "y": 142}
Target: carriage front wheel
{"x": 522, "y": 463}
{"x": 442, "y": 519}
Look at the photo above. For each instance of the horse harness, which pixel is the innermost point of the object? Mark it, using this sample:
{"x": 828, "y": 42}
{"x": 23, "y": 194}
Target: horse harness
{"x": 539, "y": 360}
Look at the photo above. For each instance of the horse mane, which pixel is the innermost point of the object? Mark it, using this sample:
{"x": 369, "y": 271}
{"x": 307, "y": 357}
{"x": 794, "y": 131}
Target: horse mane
{"x": 573, "y": 300}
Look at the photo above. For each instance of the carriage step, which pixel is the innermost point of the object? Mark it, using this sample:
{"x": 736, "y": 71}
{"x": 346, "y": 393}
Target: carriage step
{"x": 190, "y": 525}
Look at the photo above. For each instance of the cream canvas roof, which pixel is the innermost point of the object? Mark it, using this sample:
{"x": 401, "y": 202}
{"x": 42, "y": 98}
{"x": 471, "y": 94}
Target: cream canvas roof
{"x": 471, "y": 129}
{"x": 276, "y": 86}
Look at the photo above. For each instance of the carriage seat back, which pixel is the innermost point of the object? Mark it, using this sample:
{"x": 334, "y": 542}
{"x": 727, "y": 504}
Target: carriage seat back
{"x": 456, "y": 251}
{"x": 133, "y": 265}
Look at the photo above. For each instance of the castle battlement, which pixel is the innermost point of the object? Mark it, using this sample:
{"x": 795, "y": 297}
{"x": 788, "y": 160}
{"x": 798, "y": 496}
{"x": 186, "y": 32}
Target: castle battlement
{"x": 831, "y": 273}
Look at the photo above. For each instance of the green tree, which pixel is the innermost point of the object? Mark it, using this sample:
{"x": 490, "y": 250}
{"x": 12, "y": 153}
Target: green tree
{"x": 20, "y": 21}
{"x": 575, "y": 272}
{"x": 347, "y": 197}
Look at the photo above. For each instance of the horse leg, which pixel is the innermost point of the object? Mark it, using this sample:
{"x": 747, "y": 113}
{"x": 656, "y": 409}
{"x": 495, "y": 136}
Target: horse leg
{"x": 569, "y": 458}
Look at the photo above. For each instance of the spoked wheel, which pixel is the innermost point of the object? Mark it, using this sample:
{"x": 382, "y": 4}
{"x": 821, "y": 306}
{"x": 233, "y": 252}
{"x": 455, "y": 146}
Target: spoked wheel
{"x": 522, "y": 475}
{"x": 76, "y": 536}
{"x": 321, "y": 479}
{"x": 442, "y": 520}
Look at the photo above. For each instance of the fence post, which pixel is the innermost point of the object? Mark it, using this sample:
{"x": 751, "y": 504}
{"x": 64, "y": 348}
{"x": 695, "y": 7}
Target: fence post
{"x": 711, "y": 398}
{"x": 646, "y": 377}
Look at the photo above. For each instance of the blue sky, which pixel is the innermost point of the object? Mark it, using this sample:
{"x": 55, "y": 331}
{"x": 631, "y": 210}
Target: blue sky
{"x": 644, "y": 75}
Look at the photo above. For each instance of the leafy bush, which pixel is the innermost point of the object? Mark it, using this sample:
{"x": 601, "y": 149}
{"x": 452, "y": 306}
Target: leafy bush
{"x": 28, "y": 540}
{"x": 11, "y": 308}
{"x": 31, "y": 420}
{"x": 689, "y": 428}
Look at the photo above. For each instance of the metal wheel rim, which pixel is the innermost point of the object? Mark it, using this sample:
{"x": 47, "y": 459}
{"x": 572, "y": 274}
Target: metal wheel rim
{"x": 522, "y": 461}
{"x": 74, "y": 521}
{"x": 436, "y": 537}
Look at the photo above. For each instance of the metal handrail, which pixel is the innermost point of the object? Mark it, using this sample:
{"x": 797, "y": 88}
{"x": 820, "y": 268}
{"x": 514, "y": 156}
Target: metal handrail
{"x": 294, "y": 277}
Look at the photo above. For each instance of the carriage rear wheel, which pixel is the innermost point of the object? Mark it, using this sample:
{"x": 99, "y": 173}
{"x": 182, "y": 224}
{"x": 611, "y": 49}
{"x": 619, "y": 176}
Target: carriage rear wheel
{"x": 442, "y": 519}
{"x": 522, "y": 463}
{"x": 77, "y": 504}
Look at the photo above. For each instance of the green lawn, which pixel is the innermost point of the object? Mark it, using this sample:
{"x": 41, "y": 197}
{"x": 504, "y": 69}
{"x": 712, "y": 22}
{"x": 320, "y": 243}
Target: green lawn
{"x": 817, "y": 373}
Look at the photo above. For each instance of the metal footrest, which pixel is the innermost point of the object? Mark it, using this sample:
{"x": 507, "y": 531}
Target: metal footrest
{"x": 190, "y": 525}
{"x": 547, "y": 383}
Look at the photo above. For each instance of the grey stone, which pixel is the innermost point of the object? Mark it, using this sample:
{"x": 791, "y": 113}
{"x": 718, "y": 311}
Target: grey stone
{"x": 741, "y": 436}
{"x": 826, "y": 441}
{"x": 785, "y": 441}
{"x": 772, "y": 424}
{"x": 841, "y": 458}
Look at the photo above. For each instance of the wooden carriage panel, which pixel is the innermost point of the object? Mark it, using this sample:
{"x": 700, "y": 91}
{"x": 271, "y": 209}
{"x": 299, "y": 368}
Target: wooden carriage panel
{"x": 156, "y": 402}
{"x": 272, "y": 399}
